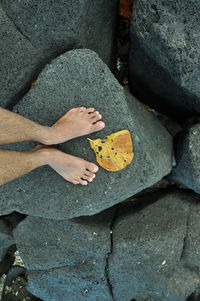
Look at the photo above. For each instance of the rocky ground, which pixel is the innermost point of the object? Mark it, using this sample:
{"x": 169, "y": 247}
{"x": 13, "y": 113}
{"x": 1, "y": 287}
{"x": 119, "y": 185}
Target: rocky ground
{"x": 132, "y": 235}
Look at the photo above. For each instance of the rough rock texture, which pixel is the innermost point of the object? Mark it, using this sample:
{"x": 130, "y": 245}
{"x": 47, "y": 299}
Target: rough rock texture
{"x": 66, "y": 260}
{"x": 75, "y": 79}
{"x": 19, "y": 60}
{"x": 165, "y": 53}
{"x": 57, "y": 26}
{"x": 146, "y": 250}
{"x": 34, "y": 32}
{"x": 155, "y": 253}
{"x": 6, "y": 242}
{"x": 187, "y": 153}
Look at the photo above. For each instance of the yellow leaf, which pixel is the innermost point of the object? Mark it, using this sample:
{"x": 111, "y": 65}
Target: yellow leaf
{"x": 114, "y": 152}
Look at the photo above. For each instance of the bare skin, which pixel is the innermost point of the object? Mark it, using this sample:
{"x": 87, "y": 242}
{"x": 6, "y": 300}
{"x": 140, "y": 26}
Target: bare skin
{"x": 73, "y": 169}
{"x": 15, "y": 128}
{"x": 75, "y": 123}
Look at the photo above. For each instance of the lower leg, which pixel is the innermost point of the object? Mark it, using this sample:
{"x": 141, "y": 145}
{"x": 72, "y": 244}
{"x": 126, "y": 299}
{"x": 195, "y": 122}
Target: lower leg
{"x": 15, "y": 164}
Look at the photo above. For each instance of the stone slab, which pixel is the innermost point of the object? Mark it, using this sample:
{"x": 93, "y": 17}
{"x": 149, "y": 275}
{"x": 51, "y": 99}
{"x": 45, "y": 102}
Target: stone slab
{"x": 19, "y": 61}
{"x": 80, "y": 78}
{"x": 153, "y": 256}
{"x": 66, "y": 260}
{"x": 57, "y": 26}
{"x": 187, "y": 154}
{"x": 6, "y": 242}
{"x": 164, "y": 54}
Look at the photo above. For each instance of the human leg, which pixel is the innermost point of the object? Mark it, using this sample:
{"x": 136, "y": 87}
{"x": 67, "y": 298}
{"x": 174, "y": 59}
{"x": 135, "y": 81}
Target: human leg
{"x": 15, "y": 164}
{"x": 75, "y": 123}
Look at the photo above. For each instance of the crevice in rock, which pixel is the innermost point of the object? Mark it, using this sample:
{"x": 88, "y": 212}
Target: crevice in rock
{"x": 192, "y": 268}
{"x": 182, "y": 256}
{"x": 109, "y": 254}
{"x": 18, "y": 29}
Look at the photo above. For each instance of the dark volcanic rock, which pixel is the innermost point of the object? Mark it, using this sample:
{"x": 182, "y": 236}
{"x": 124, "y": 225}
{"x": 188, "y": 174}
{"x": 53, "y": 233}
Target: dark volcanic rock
{"x": 187, "y": 153}
{"x": 80, "y": 78}
{"x": 153, "y": 253}
{"x": 18, "y": 60}
{"x": 165, "y": 53}
{"x": 66, "y": 260}
{"x": 5, "y": 238}
{"x": 156, "y": 249}
{"x": 57, "y": 26}
{"x": 6, "y": 242}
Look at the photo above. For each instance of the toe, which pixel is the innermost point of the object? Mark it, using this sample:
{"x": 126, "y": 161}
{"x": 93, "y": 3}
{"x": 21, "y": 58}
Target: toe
{"x": 92, "y": 167}
{"x": 83, "y": 182}
{"x": 89, "y": 174}
{"x": 96, "y": 118}
{"x": 98, "y": 126}
{"x": 95, "y": 115}
{"x": 90, "y": 110}
{"x": 88, "y": 178}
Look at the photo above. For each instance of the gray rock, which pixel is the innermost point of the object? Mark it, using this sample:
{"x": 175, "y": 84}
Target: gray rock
{"x": 5, "y": 238}
{"x": 6, "y": 243}
{"x": 19, "y": 60}
{"x": 55, "y": 27}
{"x": 150, "y": 252}
{"x": 66, "y": 260}
{"x": 187, "y": 170}
{"x": 155, "y": 250}
{"x": 165, "y": 55}
{"x": 75, "y": 79}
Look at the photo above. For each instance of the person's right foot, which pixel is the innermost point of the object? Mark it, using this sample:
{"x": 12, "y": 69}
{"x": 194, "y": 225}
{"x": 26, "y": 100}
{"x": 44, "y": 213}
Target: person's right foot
{"x": 72, "y": 169}
{"x": 75, "y": 123}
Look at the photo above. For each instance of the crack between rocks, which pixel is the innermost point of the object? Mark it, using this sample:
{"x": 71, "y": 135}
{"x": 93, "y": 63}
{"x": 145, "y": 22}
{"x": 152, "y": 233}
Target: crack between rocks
{"x": 109, "y": 254}
{"x": 186, "y": 236}
{"x": 18, "y": 29}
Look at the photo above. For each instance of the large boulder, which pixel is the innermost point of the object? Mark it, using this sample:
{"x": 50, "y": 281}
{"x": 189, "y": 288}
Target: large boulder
{"x": 66, "y": 260}
{"x": 144, "y": 250}
{"x": 54, "y": 27}
{"x": 34, "y": 32}
{"x": 6, "y": 245}
{"x": 156, "y": 249}
{"x": 80, "y": 78}
{"x": 19, "y": 61}
{"x": 165, "y": 54}
{"x": 187, "y": 153}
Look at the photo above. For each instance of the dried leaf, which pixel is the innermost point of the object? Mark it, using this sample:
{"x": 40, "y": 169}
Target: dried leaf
{"x": 115, "y": 152}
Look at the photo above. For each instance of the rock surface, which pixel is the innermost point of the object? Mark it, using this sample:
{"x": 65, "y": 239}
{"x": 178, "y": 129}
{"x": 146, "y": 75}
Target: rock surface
{"x": 66, "y": 260}
{"x": 145, "y": 250}
{"x": 6, "y": 242}
{"x": 187, "y": 154}
{"x": 80, "y": 78}
{"x": 155, "y": 252}
{"x": 19, "y": 60}
{"x": 34, "y": 32}
{"x": 164, "y": 54}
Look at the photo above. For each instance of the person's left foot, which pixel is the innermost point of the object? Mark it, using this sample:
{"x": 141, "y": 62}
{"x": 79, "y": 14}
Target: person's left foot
{"x": 71, "y": 168}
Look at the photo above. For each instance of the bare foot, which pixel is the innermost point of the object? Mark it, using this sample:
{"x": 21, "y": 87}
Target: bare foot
{"x": 72, "y": 169}
{"x": 75, "y": 123}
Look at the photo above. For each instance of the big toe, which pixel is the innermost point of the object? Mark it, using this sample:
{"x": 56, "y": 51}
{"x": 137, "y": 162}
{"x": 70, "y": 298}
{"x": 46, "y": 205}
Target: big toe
{"x": 92, "y": 167}
{"x": 98, "y": 126}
